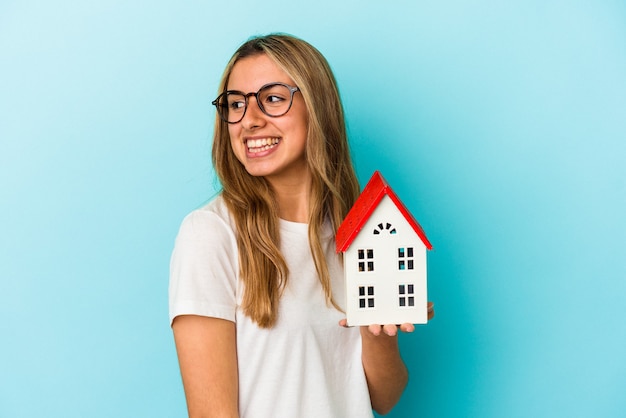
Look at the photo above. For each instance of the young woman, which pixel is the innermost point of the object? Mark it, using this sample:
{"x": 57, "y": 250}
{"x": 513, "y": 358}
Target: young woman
{"x": 256, "y": 287}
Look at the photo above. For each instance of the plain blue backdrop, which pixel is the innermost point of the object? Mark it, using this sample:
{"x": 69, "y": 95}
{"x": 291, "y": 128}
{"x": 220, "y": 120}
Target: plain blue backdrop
{"x": 501, "y": 125}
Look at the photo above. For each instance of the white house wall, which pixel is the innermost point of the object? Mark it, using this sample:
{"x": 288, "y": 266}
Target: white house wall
{"x": 386, "y": 277}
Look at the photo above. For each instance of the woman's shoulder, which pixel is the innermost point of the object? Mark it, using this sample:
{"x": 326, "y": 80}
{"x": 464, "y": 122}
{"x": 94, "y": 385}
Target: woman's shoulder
{"x": 215, "y": 207}
{"x": 213, "y": 216}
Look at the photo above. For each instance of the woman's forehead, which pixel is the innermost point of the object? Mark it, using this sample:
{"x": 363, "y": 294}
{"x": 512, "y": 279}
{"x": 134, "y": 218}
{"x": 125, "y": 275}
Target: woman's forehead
{"x": 251, "y": 73}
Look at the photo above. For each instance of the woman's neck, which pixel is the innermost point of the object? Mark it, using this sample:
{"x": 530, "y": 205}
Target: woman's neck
{"x": 293, "y": 198}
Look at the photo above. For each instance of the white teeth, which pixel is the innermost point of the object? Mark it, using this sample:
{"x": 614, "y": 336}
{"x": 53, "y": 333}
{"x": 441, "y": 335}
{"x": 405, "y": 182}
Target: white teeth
{"x": 258, "y": 145}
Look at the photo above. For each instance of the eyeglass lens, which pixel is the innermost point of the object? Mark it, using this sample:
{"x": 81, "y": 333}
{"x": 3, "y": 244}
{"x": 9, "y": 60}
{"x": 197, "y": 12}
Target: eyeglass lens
{"x": 273, "y": 99}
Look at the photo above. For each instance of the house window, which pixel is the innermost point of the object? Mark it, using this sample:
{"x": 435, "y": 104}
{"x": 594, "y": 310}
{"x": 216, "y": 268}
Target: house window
{"x": 366, "y": 297}
{"x": 366, "y": 259}
{"x": 384, "y": 227}
{"x": 406, "y": 293}
{"x": 405, "y": 258}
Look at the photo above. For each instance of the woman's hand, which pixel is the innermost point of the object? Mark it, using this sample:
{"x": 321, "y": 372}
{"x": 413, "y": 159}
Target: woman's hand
{"x": 390, "y": 329}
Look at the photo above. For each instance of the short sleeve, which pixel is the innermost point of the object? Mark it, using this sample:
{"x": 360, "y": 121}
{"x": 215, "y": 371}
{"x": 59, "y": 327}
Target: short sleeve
{"x": 203, "y": 268}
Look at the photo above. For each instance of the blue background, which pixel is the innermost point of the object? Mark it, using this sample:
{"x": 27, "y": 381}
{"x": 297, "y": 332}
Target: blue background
{"x": 501, "y": 125}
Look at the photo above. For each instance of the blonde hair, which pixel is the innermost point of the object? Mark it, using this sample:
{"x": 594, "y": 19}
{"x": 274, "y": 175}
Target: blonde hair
{"x": 250, "y": 199}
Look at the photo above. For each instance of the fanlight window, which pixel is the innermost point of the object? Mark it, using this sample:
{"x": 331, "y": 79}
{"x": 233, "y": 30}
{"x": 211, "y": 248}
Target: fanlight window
{"x": 384, "y": 227}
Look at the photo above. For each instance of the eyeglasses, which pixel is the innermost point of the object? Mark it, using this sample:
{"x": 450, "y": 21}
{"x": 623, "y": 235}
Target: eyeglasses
{"x": 274, "y": 99}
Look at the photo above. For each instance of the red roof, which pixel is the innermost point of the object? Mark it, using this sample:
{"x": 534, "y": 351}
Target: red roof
{"x": 364, "y": 206}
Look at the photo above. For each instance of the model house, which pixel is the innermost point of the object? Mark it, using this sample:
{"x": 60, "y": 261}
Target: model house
{"x": 384, "y": 255}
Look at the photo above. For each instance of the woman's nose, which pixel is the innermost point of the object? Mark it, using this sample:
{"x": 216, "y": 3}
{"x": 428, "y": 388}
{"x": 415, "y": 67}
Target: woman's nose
{"x": 253, "y": 117}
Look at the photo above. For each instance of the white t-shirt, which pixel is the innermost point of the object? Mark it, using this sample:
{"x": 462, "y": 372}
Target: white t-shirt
{"x": 306, "y": 365}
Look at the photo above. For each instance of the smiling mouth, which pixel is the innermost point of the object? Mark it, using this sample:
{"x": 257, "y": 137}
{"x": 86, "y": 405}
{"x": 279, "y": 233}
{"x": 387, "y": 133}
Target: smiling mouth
{"x": 260, "y": 145}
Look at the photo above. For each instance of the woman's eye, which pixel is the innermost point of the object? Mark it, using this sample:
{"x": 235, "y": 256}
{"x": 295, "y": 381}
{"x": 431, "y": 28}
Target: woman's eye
{"x": 274, "y": 99}
{"x": 237, "y": 105}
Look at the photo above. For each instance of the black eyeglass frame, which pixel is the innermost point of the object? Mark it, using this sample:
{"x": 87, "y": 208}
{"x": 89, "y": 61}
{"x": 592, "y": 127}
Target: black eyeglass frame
{"x": 216, "y": 102}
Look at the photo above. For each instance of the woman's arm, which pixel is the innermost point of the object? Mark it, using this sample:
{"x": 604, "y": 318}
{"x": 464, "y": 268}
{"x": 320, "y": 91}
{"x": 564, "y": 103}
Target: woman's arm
{"x": 207, "y": 354}
{"x": 386, "y": 373}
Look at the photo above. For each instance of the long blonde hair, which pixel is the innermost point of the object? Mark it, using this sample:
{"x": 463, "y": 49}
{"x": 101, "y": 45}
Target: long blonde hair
{"x": 251, "y": 199}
